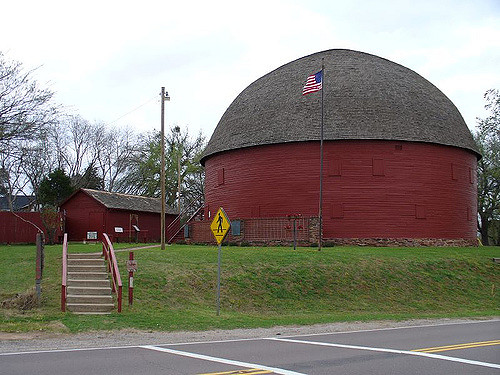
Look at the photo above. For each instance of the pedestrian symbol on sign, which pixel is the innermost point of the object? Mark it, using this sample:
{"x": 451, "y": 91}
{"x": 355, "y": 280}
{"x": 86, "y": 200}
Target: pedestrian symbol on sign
{"x": 220, "y": 225}
{"x": 219, "y": 220}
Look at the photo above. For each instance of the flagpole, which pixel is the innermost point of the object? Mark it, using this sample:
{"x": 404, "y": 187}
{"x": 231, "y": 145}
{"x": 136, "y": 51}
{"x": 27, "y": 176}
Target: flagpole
{"x": 162, "y": 172}
{"x": 320, "y": 240}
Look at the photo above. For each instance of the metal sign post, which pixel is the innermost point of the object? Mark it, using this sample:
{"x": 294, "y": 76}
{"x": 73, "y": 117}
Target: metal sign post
{"x": 219, "y": 251}
{"x": 219, "y": 227}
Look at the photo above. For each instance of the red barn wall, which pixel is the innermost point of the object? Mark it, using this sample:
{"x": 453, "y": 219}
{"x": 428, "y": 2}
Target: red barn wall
{"x": 372, "y": 189}
{"x": 13, "y": 229}
{"x": 148, "y": 223}
{"x": 82, "y": 213}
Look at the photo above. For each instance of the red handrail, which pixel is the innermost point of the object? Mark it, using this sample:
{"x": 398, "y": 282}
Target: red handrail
{"x": 64, "y": 272}
{"x": 109, "y": 255}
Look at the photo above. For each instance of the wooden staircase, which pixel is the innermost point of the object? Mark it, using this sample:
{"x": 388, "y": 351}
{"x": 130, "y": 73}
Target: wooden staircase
{"x": 88, "y": 286}
{"x": 178, "y": 229}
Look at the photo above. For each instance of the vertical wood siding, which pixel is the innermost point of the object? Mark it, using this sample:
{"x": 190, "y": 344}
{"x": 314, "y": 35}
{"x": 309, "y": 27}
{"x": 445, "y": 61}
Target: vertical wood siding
{"x": 372, "y": 189}
{"x": 16, "y": 230}
{"x": 78, "y": 210}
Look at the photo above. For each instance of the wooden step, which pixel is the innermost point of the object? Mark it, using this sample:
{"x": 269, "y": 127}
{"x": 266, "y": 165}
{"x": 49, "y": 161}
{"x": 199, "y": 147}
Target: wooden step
{"x": 87, "y": 275}
{"x": 85, "y": 256}
{"x": 88, "y": 283}
{"x": 90, "y": 307}
{"x": 86, "y": 268}
{"x": 88, "y": 255}
{"x": 75, "y": 290}
{"x": 85, "y": 262}
{"x": 89, "y": 298}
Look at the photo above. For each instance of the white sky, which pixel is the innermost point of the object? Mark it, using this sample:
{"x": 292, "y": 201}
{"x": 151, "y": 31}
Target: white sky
{"x": 106, "y": 58}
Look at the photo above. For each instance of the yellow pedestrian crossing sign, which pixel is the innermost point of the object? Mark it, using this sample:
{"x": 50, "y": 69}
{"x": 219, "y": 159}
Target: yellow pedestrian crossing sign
{"x": 220, "y": 225}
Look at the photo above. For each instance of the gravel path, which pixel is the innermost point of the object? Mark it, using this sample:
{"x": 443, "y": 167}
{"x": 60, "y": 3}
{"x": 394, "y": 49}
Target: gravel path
{"x": 34, "y": 341}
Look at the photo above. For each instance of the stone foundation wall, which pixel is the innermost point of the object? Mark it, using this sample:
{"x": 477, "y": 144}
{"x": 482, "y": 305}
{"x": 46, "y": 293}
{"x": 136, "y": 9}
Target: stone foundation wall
{"x": 279, "y": 232}
{"x": 400, "y": 242}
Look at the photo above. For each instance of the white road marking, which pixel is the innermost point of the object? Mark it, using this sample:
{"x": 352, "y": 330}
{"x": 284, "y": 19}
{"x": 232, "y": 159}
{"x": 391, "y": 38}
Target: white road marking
{"x": 394, "y": 351}
{"x": 221, "y": 360}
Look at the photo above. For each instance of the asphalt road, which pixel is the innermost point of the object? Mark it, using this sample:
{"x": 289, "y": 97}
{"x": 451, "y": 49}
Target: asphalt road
{"x": 463, "y": 348}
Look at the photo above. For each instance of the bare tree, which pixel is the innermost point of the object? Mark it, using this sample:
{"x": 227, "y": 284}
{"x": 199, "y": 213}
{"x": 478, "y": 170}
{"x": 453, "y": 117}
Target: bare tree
{"x": 113, "y": 150}
{"x": 39, "y": 160}
{"x": 25, "y": 107}
{"x": 72, "y": 140}
{"x": 81, "y": 134}
{"x": 488, "y": 172}
{"x": 13, "y": 178}
{"x": 26, "y": 111}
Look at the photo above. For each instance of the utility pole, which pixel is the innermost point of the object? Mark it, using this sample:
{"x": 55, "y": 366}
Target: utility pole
{"x": 164, "y": 96}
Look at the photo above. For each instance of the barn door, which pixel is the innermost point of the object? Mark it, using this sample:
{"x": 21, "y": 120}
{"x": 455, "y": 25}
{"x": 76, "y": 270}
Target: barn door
{"x": 134, "y": 225}
{"x": 96, "y": 223}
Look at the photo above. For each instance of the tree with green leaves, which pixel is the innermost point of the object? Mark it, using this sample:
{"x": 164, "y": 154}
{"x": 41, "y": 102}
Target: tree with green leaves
{"x": 55, "y": 188}
{"x": 90, "y": 179}
{"x": 488, "y": 170}
{"x": 182, "y": 155}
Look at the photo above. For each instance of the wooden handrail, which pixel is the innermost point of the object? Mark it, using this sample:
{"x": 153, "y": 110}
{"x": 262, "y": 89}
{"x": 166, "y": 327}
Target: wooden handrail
{"x": 64, "y": 272}
{"x": 178, "y": 218}
{"x": 109, "y": 255}
{"x": 186, "y": 209}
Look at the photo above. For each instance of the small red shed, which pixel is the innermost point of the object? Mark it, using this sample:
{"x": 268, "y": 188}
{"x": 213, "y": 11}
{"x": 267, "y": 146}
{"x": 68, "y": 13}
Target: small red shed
{"x": 89, "y": 213}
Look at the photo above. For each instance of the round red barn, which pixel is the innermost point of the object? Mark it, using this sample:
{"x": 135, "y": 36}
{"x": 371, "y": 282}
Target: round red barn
{"x": 399, "y": 160}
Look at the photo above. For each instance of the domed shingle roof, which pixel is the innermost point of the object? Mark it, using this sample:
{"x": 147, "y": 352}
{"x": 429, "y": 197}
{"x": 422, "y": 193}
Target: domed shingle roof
{"x": 365, "y": 97}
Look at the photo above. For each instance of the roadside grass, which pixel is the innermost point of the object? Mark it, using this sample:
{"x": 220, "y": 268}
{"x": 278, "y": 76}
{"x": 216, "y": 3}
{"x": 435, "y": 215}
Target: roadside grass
{"x": 174, "y": 289}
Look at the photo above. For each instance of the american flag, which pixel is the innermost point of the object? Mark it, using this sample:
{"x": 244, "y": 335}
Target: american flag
{"x": 314, "y": 83}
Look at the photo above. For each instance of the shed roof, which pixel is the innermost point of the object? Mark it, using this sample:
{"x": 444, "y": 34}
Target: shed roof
{"x": 365, "y": 97}
{"x": 20, "y": 202}
{"x": 128, "y": 202}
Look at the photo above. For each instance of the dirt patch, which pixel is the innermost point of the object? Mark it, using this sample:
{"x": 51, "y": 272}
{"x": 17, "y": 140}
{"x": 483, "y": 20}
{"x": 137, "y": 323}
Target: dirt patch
{"x": 21, "y": 301}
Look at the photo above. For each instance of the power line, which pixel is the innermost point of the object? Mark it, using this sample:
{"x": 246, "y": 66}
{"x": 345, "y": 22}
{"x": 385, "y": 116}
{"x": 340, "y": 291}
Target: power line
{"x": 135, "y": 109}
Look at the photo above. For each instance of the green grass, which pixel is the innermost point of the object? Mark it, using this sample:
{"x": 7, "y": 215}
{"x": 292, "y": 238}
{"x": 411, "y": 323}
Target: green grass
{"x": 263, "y": 287}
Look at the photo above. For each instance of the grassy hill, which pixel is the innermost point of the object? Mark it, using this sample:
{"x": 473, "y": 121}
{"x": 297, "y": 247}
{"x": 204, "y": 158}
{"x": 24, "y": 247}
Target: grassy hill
{"x": 261, "y": 287}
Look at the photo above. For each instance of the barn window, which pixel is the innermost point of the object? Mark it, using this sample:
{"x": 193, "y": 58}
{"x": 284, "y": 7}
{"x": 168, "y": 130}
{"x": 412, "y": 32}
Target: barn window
{"x": 420, "y": 211}
{"x": 378, "y": 167}
{"x": 236, "y": 228}
{"x": 472, "y": 172}
{"x": 335, "y": 167}
{"x": 470, "y": 217}
{"x": 398, "y": 147}
{"x": 220, "y": 177}
{"x": 454, "y": 171}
